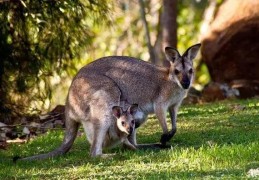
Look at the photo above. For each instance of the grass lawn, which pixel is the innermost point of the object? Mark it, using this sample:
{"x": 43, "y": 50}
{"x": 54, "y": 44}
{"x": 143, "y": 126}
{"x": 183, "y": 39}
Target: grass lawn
{"x": 213, "y": 141}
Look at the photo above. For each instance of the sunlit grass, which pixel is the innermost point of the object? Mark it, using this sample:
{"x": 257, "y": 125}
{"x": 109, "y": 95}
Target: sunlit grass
{"x": 219, "y": 140}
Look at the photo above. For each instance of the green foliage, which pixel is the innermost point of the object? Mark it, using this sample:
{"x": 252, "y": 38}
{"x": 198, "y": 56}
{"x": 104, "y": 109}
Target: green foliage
{"x": 190, "y": 17}
{"x": 124, "y": 37}
{"x": 213, "y": 141}
{"x": 43, "y": 42}
{"x": 39, "y": 39}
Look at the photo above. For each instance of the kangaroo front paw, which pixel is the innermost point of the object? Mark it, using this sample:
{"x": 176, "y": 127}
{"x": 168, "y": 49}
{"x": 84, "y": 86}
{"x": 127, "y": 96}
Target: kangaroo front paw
{"x": 165, "y": 138}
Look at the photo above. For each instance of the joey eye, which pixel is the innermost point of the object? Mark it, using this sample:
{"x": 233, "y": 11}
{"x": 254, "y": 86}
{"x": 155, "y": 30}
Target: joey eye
{"x": 123, "y": 123}
{"x": 133, "y": 122}
{"x": 191, "y": 71}
{"x": 176, "y": 71}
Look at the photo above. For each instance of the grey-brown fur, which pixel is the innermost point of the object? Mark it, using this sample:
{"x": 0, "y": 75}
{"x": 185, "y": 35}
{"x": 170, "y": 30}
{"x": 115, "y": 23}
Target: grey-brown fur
{"x": 155, "y": 89}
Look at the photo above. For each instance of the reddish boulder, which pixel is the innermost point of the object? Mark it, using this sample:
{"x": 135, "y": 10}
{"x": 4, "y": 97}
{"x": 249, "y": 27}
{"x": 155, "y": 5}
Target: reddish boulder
{"x": 231, "y": 46}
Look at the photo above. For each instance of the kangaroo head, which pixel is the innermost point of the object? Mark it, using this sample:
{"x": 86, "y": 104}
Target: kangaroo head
{"x": 181, "y": 67}
{"x": 125, "y": 119}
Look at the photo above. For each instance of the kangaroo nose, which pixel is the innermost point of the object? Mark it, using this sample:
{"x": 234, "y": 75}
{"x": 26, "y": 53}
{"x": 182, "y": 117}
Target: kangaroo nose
{"x": 185, "y": 84}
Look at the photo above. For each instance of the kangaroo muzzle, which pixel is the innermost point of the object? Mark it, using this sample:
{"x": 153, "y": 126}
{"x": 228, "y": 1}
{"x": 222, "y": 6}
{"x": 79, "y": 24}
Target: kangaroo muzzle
{"x": 185, "y": 82}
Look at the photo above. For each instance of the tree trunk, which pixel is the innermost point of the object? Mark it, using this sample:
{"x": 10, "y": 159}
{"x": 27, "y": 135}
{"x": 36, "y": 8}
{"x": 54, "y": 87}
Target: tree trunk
{"x": 169, "y": 23}
{"x": 168, "y": 34}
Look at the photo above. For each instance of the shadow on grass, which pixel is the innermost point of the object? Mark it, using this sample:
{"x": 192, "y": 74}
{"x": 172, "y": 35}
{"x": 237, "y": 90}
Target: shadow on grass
{"x": 236, "y": 129}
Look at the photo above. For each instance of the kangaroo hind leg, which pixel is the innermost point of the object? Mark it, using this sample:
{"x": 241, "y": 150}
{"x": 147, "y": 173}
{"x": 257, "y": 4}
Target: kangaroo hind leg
{"x": 96, "y": 136}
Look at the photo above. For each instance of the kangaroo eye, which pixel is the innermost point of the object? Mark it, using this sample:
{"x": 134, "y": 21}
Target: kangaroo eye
{"x": 191, "y": 71}
{"x": 123, "y": 123}
{"x": 176, "y": 71}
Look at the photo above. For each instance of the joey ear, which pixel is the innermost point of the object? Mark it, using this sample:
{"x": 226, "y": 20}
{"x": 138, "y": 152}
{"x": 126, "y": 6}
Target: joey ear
{"x": 171, "y": 54}
{"x": 192, "y": 51}
{"x": 133, "y": 109}
{"x": 117, "y": 111}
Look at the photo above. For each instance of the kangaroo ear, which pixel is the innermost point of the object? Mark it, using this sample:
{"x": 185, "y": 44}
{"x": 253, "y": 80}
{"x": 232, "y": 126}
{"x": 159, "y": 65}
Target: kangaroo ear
{"x": 117, "y": 111}
{"x": 133, "y": 109}
{"x": 171, "y": 54}
{"x": 192, "y": 51}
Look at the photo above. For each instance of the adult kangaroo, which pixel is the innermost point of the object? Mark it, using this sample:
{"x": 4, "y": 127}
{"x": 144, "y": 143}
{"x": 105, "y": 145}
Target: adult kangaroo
{"x": 155, "y": 89}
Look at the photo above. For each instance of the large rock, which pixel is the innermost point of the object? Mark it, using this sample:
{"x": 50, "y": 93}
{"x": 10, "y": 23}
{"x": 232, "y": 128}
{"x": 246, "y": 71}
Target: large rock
{"x": 231, "y": 46}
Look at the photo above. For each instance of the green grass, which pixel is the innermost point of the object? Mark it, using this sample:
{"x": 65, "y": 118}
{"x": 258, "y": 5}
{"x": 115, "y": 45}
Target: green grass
{"x": 213, "y": 141}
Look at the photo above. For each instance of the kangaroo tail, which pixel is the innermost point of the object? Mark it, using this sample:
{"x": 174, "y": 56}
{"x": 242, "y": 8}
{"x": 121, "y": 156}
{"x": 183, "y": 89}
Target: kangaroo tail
{"x": 69, "y": 138}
